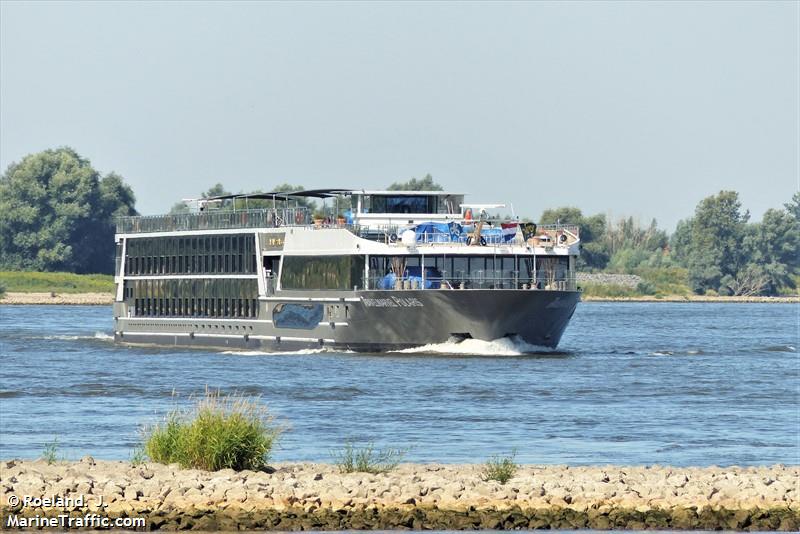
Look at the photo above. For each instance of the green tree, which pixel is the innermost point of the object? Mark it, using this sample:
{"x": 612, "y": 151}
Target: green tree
{"x": 424, "y": 184}
{"x": 627, "y": 259}
{"x": 629, "y": 234}
{"x": 772, "y": 249}
{"x": 793, "y": 207}
{"x": 715, "y": 248}
{"x": 56, "y": 213}
{"x": 724, "y": 253}
{"x": 680, "y": 241}
{"x": 631, "y": 245}
{"x": 562, "y": 215}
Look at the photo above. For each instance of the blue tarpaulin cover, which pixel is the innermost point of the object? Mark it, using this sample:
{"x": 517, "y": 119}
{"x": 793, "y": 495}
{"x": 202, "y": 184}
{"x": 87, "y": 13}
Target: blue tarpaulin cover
{"x": 492, "y": 235}
{"x": 432, "y": 232}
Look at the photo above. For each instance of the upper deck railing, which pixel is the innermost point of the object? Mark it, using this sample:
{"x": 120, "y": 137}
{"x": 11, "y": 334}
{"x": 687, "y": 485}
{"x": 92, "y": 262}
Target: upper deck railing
{"x": 214, "y": 220}
{"x": 545, "y": 235}
{"x": 477, "y": 280}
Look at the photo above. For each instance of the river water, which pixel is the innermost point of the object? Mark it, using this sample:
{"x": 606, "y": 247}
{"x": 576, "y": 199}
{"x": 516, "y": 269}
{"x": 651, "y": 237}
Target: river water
{"x": 631, "y": 383}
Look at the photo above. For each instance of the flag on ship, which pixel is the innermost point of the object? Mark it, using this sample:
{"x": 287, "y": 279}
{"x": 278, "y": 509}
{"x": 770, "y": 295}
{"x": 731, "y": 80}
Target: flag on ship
{"x": 528, "y": 230}
{"x": 509, "y": 230}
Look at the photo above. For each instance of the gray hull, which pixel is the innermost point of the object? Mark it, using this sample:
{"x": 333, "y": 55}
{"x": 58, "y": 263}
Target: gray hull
{"x": 537, "y": 317}
{"x": 371, "y": 321}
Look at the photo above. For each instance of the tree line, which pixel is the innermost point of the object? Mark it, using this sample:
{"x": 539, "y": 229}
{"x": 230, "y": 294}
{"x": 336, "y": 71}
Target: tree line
{"x": 721, "y": 250}
{"x": 57, "y": 214}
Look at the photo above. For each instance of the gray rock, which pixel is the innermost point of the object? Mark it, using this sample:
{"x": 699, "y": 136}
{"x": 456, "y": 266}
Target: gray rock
{"x": 608, "y": 279}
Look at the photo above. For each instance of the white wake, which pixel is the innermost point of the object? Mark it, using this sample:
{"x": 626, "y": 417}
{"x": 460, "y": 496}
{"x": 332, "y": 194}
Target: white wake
{"x": 505, "y": 346}
{"x": 102, "y": 336}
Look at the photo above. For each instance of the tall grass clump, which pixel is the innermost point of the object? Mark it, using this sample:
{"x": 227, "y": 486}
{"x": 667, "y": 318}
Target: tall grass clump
{"x": 138, "y": 456}
{"x": 2, "y": 288}
{"x": 500, "y": 468}
{"x": 219, "y": 432}
{"x": 367, "y": 459}
{"x": 50, "y": 451}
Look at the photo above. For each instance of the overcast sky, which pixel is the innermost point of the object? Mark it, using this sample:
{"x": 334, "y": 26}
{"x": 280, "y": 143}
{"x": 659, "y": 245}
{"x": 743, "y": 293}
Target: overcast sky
{"x": 635, "y": 108}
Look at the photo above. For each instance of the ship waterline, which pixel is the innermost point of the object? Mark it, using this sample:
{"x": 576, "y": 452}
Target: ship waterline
{"x": 372, "y": 321}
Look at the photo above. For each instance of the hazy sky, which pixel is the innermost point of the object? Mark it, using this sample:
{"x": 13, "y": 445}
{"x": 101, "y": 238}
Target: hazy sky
{"x": 634, "y": 108}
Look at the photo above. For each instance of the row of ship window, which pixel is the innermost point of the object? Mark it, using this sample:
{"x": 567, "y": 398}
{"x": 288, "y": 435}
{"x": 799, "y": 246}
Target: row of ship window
{"x": 347, "y": 271}
{"x": 212, "y": 264}
{"x": 196, "y": 326}
{"x": 191, "y": 255}
{"x": 193, "y": 298}
{"x": 195, "y": 307}
{"x": 237, "y": 297}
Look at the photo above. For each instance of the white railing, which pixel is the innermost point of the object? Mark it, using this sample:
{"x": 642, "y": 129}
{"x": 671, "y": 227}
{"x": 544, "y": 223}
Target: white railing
{"x": 475, "y": 280}
{"x": 545, "y": 236}
{"x": 214, "y": 220}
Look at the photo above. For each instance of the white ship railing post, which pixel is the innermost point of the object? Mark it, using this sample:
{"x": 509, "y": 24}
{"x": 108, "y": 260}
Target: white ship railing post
{"x": 121, "y": 271}
{"x": 366, "y": 266}
{"x": 262, "y": 290}
{"x": 422, "y": 262}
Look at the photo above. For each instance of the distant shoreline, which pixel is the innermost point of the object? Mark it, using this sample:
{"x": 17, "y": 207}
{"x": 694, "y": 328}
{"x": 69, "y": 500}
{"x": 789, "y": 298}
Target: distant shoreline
{"x": 695, "y": 298}
{"x": 106, "y": 299}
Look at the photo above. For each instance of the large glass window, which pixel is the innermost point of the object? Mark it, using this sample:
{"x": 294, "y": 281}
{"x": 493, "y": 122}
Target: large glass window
{"x": 189, "y": 298}
{"x": 476, "y": 272}
{"x": 404, "y": 204}
{"x": 322, "y": 272}
{"x": 184, "y": 255}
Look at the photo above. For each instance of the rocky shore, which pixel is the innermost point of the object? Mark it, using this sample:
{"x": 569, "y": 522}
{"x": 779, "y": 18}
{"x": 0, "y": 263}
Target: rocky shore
{"x": 629, "y": 281}
{"x": 58, "y": 298}
{"x": 419, "y": 496}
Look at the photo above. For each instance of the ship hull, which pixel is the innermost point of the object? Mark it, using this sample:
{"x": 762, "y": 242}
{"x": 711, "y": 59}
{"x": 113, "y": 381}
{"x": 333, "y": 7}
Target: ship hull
{"x": 416, "y": 318}
{"x": 369, "y": 321}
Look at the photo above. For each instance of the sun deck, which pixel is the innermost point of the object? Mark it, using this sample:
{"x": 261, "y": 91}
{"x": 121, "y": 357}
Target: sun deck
{"x": 546, "y": 235}
{"x": 215, "y": 220}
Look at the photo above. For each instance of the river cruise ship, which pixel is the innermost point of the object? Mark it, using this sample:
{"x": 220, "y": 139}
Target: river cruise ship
{"x": 383, "y": 270}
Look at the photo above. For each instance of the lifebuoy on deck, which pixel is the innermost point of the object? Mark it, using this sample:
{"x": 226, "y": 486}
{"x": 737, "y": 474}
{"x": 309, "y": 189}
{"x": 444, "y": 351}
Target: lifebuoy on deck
{"x": 468, "y": 214}
{"x": 392, "y": 238}
{"x": 470, "y": 240}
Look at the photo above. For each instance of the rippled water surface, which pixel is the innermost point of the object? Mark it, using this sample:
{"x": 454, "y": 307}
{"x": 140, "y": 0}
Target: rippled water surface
{"x": 631, "y": 383}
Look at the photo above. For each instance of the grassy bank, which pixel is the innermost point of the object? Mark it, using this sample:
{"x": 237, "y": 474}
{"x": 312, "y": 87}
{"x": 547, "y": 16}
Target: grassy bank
{"x": 36, "y": 282}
